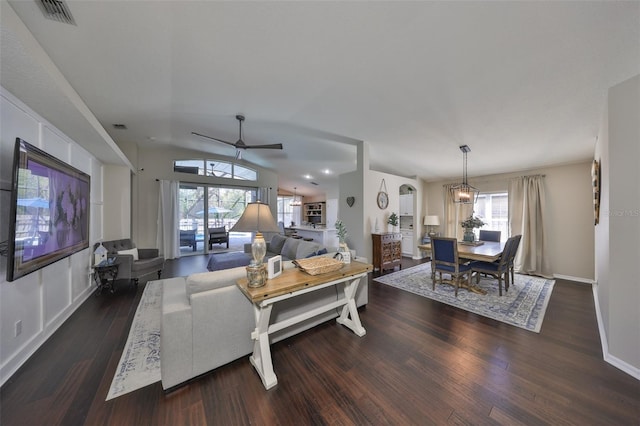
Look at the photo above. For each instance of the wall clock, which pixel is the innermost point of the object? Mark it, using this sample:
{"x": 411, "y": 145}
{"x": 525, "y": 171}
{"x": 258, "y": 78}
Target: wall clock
{"x": 595, "y": 177}
{"x": 383, "y": 200}
{"x": 383, "y": 197}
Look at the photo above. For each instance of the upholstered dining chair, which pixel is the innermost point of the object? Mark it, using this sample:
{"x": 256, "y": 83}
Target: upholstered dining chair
{"x": 486, "y": 235}
{"x": 445, "y": 261}
{"x": 498, "y": 269}
{"x": 512, "y": 256}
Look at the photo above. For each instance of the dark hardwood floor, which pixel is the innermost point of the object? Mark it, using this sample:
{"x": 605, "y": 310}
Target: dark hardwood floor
{"x": 421, "y": 362}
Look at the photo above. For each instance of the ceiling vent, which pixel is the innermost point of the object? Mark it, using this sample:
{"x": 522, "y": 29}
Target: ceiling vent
{"x": 120, "y": 126}
{"x": 314, "y": 183}
{"x": 57, "y": 10}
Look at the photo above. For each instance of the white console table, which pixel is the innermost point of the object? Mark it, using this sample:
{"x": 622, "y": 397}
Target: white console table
{"x": 292, "y": 283}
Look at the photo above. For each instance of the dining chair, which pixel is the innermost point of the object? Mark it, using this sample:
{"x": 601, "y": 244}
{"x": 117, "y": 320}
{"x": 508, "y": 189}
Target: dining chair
{"x": 486, "y": 235}
{"x": 498, "y": 269}
{"x": 445, "y": 261}
{"x": 512, "y": 256}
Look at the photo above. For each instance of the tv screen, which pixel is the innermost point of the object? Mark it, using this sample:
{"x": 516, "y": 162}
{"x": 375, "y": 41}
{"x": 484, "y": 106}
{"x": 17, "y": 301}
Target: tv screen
{"x": 49, "y": 218}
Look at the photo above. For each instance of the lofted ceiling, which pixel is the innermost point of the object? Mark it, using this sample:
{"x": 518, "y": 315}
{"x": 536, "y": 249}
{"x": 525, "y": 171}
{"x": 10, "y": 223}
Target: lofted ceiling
{"x": 523, "y": 84}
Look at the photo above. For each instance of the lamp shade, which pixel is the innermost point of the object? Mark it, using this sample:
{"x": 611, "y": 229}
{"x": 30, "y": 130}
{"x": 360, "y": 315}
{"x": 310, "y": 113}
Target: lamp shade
{"x": 257, "y": 217}
{"x": 432, "y": 220}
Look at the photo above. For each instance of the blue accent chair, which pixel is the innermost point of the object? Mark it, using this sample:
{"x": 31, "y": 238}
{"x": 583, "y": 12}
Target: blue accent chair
{"x": 486, "y": 235}
{"x": 500, "y": 268}
{"x": 513, "y": 255}
{"x": 445, "y": 261}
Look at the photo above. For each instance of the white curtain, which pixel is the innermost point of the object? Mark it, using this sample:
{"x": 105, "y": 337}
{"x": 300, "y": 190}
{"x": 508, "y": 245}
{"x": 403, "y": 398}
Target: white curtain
{"x": 454, "y": 213}
{"x": 168, "y": 240}
{"x": 527, "y": 208}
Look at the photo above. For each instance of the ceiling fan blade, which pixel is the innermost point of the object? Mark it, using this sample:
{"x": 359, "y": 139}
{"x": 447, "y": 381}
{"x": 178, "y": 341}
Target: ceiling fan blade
{"x": 214, "y": 139}
{"x": 268, "y": 146}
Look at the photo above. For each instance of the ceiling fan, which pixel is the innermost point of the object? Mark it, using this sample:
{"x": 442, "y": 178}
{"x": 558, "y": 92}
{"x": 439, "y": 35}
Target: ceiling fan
{"x": 240, "y": 145}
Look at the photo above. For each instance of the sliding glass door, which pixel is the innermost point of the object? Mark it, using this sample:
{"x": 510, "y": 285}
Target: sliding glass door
{"x": 203, "y": 207}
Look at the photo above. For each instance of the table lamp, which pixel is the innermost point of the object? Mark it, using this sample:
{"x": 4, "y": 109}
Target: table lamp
{"x": 430, "y": 221}
{"x": 256, "y": 218}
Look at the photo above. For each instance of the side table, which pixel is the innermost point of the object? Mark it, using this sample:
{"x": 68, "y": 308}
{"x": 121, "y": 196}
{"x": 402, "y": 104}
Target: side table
{"x": 105, "y": 277}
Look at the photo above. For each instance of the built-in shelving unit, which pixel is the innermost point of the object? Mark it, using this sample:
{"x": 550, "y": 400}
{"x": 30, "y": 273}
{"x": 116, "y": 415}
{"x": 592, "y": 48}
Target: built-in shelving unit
{"x": 315, "y": 213}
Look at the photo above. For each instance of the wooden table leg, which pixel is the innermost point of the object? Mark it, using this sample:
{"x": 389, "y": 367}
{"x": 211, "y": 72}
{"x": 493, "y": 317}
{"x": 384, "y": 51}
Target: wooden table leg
{"x": 261, "y": 358}
{"x": 350, "y": 308}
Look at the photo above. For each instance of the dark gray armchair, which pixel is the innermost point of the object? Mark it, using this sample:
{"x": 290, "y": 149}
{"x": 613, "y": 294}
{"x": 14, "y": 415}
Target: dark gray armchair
{"x": 218, "y": 235}
{"x": 149, "y": 261}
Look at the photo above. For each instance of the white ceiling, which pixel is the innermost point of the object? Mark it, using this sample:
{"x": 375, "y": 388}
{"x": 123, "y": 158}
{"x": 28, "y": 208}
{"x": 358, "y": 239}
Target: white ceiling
{"x": 524, "y": 84}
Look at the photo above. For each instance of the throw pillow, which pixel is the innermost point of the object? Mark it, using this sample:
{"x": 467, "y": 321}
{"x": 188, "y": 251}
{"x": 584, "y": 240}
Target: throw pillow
{"x": 317, "y": 253}
{"x": 276, "y": 243}
{"x": 289, "y": 248}
{"x": 133, "y": 252}
{"x": 305, "y": 248}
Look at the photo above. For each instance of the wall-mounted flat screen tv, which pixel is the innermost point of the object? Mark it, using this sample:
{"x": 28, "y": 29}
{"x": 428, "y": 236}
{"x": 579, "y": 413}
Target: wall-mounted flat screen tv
{"x": 49, "y": 217}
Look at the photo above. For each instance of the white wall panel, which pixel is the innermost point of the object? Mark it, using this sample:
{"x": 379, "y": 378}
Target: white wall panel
{"x": 44, "y": 299}
{"x": 80, "y": 279}
{"x": 56, "y": 285}
{"x": 54, "y": 144}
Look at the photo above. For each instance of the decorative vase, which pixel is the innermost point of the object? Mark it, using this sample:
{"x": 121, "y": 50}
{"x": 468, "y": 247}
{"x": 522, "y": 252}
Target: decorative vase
{"x": 469, "y": 236}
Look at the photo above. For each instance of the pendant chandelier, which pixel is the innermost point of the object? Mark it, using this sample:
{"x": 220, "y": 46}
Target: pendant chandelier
{"x": 463, "y": 193}
{"x": 296, "y": 202}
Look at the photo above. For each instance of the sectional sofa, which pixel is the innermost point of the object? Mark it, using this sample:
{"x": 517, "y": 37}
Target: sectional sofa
{"x": 291, "y": 248}
{"x": 207, "y": 322}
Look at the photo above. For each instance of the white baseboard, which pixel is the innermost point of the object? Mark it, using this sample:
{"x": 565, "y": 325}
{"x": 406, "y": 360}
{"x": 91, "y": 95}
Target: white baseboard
{"x": 616, "y": 362}
{"x": 576, "y": 279}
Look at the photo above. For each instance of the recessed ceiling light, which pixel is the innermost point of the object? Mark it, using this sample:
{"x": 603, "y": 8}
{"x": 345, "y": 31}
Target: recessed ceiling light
{"x": 326, "y": 171}
{"x": 307, "y": 177}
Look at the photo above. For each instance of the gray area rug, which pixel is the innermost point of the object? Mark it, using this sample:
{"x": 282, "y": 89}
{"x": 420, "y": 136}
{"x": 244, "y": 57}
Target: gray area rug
{"x": 522, "y": 306}
{"x": 140, "y": 362}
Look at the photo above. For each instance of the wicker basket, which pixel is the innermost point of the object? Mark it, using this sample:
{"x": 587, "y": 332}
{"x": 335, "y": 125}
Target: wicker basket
{"x": 318, "y": 265}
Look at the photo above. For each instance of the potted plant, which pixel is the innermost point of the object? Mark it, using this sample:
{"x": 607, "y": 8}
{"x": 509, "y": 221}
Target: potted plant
{"x": 341, "y": 230}
{"x": 393, "y": 220}
{"x": 469, "y": 224}
{"x": 343, "y": 249}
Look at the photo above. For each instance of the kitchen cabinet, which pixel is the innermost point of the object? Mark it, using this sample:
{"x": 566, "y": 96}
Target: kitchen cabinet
{"x": 406, "y": 205}
{"x": 407, "y": 242}
{"x": 387, "y": 250}
{"x": 315, "y": 213}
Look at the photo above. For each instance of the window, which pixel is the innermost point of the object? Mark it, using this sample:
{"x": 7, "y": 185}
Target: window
{"x": 285, "y": 210}
{"x": 219, "y": 169}
{"x": 493, "y": 209}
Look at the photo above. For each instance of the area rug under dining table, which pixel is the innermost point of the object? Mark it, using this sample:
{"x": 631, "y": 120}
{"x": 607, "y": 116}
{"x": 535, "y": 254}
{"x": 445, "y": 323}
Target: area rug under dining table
{"x": 523, "y": 306}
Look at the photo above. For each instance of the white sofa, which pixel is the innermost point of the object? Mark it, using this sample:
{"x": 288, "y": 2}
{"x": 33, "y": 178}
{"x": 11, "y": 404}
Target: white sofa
{"x": 207, "y": 322}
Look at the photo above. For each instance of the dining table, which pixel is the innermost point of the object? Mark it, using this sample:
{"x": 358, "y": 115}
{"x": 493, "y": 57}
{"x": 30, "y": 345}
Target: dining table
{"x": 485, "y": 251}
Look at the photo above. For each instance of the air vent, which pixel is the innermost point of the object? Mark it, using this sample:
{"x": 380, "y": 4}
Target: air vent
{"x": 314, "y": 183}
{"x": 120, "y": 126}
{"x": 57, "y": 10}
